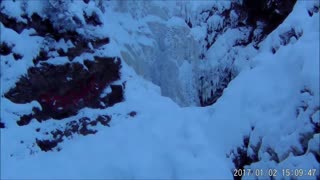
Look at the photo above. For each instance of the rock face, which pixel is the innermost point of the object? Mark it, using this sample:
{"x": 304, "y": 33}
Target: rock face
{"x": 84, "y": 126}
{"x": 64, "y": 89}
{"x": 253, "y": 21}
{"x": 5, "y": 49}
{"x": 250, "y": 151}
{"x": 272, "y": 13}
{"x": 259, "y": 17}
{"x": 2, "y": 125}
{"x": 61, "y": 89}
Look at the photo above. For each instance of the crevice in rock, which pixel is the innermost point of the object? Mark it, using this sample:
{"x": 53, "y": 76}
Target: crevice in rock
{"x": 2, "y": 125}
{"x": 5, "y": 49}
{"x": 241, "y": 158}
{"x": 208, "y": 98}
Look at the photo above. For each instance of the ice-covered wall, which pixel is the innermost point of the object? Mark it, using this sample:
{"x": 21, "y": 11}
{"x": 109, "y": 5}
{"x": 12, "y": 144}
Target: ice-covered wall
{"x": 192, "y": 50}
{"x": 165, "y": 53}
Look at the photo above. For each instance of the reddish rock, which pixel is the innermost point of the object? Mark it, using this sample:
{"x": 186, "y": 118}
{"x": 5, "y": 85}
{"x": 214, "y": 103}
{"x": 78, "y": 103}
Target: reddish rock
{"x": 64, "y": 89}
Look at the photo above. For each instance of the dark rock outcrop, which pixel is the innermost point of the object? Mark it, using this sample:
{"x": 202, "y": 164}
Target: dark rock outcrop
{"x": 44, "y": 28}
{"x": 271, "y": 12}
{"x": 83, "y": 129}
{"x": 12, "y": 23}
{"x": 97, "y": 43}
{"x": 132, "y": 113}
{"x": 241, "y": 157}
{"x": 84, "y": 126}
{"x": 104, "y": 120}
{"x": 42, "y": 56}
{"x": 5, "y": 49}
{"x": 64, "y": 89}
{"x": 268, "y": 13}
{"x": 47, "y": 145}
{"x": 115, "y": 96}
{"x": 25, "y": 119}
{"x": 17, "y": 56}
{"x": 93, "y": 19}
{"x": 2, "y": 125}
{"x": 254, "y": 20}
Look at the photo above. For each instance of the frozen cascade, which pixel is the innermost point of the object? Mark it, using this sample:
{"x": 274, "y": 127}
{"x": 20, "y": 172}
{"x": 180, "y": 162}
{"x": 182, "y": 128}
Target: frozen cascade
{"x": 170, "y": 51}
{"x": 170, "y": 59}
{"x": 169, "y": 62}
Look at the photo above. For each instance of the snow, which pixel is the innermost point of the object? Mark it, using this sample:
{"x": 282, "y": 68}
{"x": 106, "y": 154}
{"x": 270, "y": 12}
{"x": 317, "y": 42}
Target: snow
{"x": 314, "y": 143}
{"x": 57, "y": 60}
{"x": 21, "y": 109}
{"x": 13, "y": 9}
{"x": 64, "y": 45}
{"x": 176, "y": 21}
{"x": 77, "y": 10}
{"x": 215, "y": 22}
{"x": 184, "y": 156}
{"x": 37, "y": 7}
{"x": 198, "y": 32}
{"x": 165, "y": 140}
{"x": 105, "y": 92}
{"x": 12, "y": 70}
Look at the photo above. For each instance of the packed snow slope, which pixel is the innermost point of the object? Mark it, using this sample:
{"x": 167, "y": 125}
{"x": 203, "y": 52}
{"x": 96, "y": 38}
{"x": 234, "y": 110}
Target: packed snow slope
{"x": 268, "y": 116}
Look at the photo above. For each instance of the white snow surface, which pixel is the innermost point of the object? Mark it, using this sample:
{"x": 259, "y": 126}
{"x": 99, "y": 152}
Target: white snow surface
{"x": 165, "y": 140}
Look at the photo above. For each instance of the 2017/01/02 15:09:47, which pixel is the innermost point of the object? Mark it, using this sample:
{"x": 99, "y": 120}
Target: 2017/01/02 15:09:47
{"x": 275, "y": 172}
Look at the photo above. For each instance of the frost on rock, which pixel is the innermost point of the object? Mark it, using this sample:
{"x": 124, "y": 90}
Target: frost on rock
{"x": 287, "y": 138}
{"x": 51, "y": 55}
